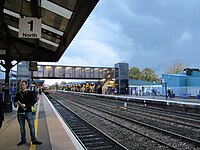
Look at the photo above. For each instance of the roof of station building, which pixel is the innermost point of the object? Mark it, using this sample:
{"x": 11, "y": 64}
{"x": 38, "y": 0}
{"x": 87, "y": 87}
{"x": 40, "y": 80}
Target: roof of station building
{"x": 142, "y": 82}
{"x": 177, "y": 75}
{"x": 61, "y": 21}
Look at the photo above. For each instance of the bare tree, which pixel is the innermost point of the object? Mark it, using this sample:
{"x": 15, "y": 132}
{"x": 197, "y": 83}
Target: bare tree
{"x": 176, "y": 67}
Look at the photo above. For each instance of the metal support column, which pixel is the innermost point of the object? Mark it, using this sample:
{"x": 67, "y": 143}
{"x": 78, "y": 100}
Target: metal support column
{"x": 7, "y": 98}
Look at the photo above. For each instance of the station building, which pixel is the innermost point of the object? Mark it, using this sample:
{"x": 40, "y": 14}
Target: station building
{"x": 184, "y": 84}
{"x": 144, "y": 88}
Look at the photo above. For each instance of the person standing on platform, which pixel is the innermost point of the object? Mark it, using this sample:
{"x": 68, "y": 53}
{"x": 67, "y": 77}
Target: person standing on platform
{"x": 1, "y": 107}
{"x": 24, "y": 100}
{"x": 169, "y": 94}
{"x": 1, "y": 112}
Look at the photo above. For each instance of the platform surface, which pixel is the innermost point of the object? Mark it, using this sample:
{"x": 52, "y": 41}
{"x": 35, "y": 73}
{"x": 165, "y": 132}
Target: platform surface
{"x": 49, "y": 126}
{"x": 51, "y": 129}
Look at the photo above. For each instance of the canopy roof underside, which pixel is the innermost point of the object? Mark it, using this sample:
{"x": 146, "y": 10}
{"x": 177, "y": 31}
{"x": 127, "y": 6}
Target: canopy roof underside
{"x": 61, "y": 21}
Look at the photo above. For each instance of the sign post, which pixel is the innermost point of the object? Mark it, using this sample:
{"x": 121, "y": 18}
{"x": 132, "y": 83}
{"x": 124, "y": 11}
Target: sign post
{"x": 30, "y": 27}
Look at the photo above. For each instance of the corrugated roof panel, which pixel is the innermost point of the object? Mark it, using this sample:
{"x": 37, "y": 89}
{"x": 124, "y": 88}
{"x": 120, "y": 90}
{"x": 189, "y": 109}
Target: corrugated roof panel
{"x": 56, "y": 9}
{"x": 61, "y": 20}
{"x": 70, "y": 5}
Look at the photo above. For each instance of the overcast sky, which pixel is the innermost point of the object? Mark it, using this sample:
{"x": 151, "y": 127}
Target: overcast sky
{"x": 144, "y": 33}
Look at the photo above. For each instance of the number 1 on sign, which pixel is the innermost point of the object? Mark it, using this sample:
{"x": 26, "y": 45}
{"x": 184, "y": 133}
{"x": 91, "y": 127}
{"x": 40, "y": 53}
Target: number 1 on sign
{"x": 31, "y": 25}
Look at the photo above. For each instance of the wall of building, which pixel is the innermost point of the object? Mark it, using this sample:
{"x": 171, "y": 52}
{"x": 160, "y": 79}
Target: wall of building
{"x": 193, "y": 81}
{"x": 183, "y": 84}
{"x": 175, "y": 80}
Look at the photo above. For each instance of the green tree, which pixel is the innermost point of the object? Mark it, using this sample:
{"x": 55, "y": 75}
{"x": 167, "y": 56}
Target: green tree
{"x": 56, "y": 85}
{"x": 134, "y": 73}
{"x": 176, "y": 67}
{"x": 63, "y": 83}
{"x": 148, "y": 74}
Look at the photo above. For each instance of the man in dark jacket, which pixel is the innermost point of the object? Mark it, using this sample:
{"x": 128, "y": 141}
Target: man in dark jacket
{"x": 24, "y": 100}
{"x": 1, "y": 107}
{"x": 169, "y": 94}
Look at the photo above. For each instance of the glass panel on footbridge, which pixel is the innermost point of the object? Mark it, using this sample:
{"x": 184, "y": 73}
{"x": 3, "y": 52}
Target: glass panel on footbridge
{"x": 48, "y": 71}
{"x": 87, "y": 72}
{"x": 96, "y": 72}
{"x": 59, "y": 71}
{"x": 40, "y": 72}
{"x": 83, "y": 72}
{"x": 68, "y": 72}
{"x": 78, "y": 72}
{"x": 100, "y": 73}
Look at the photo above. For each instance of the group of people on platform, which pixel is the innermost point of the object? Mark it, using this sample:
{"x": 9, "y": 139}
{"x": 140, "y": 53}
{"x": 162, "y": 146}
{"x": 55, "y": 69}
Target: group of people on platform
{"x": 24, "y": 100}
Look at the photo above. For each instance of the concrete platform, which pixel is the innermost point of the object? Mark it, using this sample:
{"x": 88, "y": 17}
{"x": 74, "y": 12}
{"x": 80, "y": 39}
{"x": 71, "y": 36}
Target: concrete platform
{"x": 49, "y": 127}
{"x": 176, "y": 100}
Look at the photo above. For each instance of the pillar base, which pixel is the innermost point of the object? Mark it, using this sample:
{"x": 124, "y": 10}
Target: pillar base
{"x": 7, "y": 107}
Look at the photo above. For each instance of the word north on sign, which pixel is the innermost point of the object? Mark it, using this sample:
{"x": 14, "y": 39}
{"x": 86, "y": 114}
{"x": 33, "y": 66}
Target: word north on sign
{"x": 30, "y": 27}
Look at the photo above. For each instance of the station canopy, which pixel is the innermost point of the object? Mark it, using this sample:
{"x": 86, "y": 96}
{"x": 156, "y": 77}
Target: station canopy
{"x": 60, "y": 22}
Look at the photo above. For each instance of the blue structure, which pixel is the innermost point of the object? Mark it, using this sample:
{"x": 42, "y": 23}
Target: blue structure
{"x": 184, "y": 84}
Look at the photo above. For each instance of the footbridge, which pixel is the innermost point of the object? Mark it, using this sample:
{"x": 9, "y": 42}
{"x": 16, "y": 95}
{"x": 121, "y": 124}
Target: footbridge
{"x": 73, "y": 72}
{"x": 117, "y": 74}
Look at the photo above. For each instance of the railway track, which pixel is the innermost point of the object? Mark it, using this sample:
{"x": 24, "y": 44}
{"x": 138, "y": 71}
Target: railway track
{"x": 192, "y": 121}
{"x": 180, "y": 137}
{"x": 145, "y": 107}
{"x": 185, "y": 119}
{"x": 90, "y": 137}
{"x": 147, "y": 111}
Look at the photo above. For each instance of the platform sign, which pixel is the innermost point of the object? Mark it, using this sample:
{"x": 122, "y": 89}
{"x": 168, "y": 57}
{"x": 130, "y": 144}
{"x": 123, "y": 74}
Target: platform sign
{"x": 30, "y": 27}
{"x": 33, "y": 66}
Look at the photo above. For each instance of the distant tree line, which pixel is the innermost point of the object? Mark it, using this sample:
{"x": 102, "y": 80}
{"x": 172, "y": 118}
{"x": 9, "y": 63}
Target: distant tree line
{"x": 148, "y": 74}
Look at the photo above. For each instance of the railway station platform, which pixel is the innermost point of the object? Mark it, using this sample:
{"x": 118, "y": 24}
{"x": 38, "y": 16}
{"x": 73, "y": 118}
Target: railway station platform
{"x": 50, "y": 129}
{"x": 175, "y": 100}
{"x": 193, "y": 102}
{"x": 189, "y": 102}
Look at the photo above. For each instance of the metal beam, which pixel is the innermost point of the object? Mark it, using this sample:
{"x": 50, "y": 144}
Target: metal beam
{"x": 2, "y": 2}
{"x": 36, "y": 12}
{"x": 36, "y": 8}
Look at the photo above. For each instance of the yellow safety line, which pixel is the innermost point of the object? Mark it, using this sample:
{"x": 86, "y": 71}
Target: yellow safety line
{"x": 33, "y": 147}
